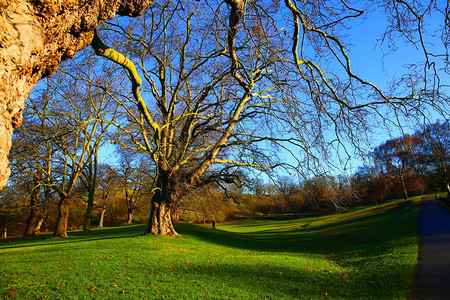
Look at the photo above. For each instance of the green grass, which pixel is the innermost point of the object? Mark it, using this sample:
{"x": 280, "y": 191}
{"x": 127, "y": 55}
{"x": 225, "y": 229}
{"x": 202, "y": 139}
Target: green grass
{"x": 366, "y": 253}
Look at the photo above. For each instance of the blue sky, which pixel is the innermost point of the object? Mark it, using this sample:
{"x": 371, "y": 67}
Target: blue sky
{"x": 374, "y": 62}
{"x": 367, "y": 61}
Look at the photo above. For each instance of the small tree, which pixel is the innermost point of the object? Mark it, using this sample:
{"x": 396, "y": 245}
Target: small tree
{"x": 135, "y": 182}
{"x": 434, "y": 152}
{"x": 397, "y": 159}
{"x": 371, "y": 184}
{"x": 108, "y": 183}
{"x": 71, "y": 121}
{"x": 31, "y": 157}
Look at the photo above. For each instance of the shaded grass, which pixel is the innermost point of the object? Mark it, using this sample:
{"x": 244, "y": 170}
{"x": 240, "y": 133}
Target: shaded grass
{"x": 366, "y": 253}
{"x": 444, "y": 200}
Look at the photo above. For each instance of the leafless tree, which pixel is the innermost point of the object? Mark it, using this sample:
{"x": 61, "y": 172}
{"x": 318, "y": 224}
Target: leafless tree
{"x": 28, "y": 156}
{"x": 108, "y": 186}
{"x": 228, "y": 87}
{"x": 434, "y": 152}
{"x": 31, "y": 156}
{"x": 397, "y": 158}
{"x": 134, "y": 176}
{"x": 69, "y": 127}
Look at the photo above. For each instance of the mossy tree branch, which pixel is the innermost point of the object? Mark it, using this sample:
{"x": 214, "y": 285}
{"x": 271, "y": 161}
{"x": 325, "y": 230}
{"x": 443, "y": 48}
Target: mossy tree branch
{"x": 103, "y": 50}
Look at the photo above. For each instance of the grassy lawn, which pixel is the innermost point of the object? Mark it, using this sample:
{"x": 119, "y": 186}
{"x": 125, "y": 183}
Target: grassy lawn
{"x": 362, "y": 254}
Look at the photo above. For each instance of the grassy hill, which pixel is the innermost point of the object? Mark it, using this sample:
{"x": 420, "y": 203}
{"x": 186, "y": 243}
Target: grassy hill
{"x": 361, "y": 254}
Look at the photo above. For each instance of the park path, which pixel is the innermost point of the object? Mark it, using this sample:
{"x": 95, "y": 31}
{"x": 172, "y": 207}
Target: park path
{"x": 432, "y": 279}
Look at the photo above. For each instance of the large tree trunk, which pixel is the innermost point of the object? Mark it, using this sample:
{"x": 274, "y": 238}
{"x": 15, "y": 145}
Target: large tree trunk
{"x": 63, "y": 217}
{"x": 160, "y": 221}
{"x": 34, "y": 213}
{"x": 35, "y": 37}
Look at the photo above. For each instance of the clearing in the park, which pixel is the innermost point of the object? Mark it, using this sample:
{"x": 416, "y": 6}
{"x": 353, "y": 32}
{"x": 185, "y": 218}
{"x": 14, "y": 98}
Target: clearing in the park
{"x": 365, "y": 253}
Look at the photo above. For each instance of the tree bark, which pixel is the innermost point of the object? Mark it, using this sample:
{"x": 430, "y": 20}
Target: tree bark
{"x": 32, "y": 222}
{"x": 35, "y": 37}
{"x": 129, "y": 217}
{"x": 34, "y": 214}
{"x": 39, "y": 223}
{"x": 102, "y": 217}
{"x": 160, "y": 221}
{"x": 63, "y": 217}
{"x": 88, "y": 216}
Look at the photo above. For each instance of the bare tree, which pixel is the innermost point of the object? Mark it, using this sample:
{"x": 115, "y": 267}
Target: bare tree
{"x": 199, "y": 105}
{"x": 108, "y": 183}
{"x": 27, "y": 159}
{"x": 397, "y": 159}
{"x": 31, "y": 156}
{"x": 133, "y": 176}
{"x": 225, "y": 89}
{"x": 72, "y": 127}
{"x": 371, "y": 184}
{"x": 434, "y": 152}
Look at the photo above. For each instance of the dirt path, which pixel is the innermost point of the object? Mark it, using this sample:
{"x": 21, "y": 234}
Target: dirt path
{"x": 432, "y": 280}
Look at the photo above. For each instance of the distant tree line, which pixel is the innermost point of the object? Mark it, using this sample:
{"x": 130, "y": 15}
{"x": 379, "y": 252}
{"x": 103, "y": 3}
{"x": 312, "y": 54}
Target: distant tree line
{"x": 399, "y": 168}
{"x": 111, "y": 195}
{"x": 409, "y": 165}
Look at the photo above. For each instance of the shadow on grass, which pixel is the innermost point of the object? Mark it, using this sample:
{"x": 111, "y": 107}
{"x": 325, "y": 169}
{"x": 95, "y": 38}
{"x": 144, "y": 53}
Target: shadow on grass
{"x": 106, "y": 233}
{"x": 384, "y": 226}
{"x": 324, "y": 268}
{"x": 360, "y": 218}
{"x": 376, "y": 231}
{"x": 297, "y": 280}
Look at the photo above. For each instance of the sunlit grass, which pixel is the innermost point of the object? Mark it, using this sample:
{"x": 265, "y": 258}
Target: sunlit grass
{"x": 362, "y": 254}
